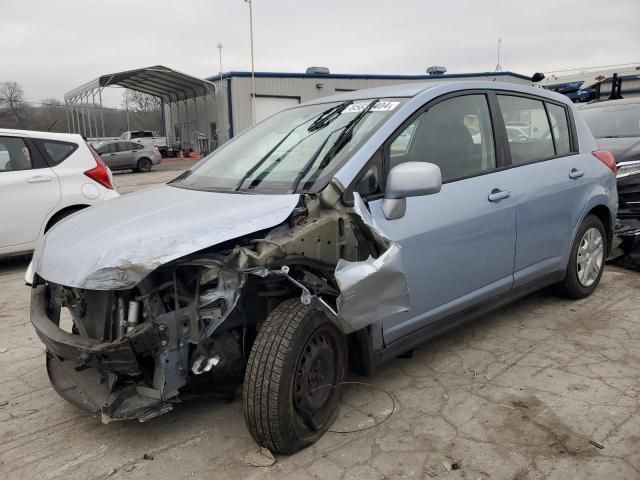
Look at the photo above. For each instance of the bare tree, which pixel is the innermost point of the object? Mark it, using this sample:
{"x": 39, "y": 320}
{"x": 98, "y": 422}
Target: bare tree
{"x": 12, "y": 99}
{"x": 140, "y": 102}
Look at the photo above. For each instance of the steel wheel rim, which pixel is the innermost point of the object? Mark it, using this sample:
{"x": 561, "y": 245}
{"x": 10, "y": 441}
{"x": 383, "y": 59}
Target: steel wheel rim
{"x": 315, "y": 377}
{"x": 590, "y": 257}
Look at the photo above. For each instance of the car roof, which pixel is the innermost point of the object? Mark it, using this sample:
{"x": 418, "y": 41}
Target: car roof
{"x": 409, "y": 90}
{"x": 66, "y": 137}
{"x": 608, "y": 103}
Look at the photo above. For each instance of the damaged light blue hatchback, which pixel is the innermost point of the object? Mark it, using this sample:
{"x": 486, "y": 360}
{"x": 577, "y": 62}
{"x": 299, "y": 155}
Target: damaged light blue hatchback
{"x": 342, "y": 232}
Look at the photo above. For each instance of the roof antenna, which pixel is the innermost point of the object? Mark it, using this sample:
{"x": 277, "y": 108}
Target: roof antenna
{"x": 498, "y": 66}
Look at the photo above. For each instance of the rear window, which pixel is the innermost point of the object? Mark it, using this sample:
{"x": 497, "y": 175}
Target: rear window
{"x": 613, "y": 121}
{"x": 141, "y": 135}
{"x": 57, "y": 151}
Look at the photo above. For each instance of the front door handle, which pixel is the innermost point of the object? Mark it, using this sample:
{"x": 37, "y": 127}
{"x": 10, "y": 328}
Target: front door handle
{"x": 575, "y": 173}
{"x": 496, "y": 195}
{"x": 39, "y": 179}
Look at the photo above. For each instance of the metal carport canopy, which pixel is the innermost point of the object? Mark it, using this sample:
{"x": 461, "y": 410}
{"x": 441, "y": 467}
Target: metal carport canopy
{"x": 160, "y": 81}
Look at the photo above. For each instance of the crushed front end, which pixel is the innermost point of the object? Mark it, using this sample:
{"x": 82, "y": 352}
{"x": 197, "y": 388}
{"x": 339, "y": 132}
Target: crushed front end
{"x": 131, "y": 352}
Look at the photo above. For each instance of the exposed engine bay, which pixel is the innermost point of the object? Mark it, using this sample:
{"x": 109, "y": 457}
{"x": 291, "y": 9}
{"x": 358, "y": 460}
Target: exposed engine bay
{"x": 131, "y": 352}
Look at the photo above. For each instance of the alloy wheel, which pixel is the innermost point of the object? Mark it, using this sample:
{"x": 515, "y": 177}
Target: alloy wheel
{"x": 590, "y": 257}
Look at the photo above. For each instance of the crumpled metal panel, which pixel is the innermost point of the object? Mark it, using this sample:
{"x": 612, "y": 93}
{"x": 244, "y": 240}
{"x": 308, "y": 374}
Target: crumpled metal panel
{"x": 116, "y": 244}
{"x": 375, "y": 288}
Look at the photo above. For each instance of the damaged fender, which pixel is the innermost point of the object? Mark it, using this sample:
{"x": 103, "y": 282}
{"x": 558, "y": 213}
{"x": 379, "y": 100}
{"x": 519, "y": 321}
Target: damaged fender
{"x": 375, "y": 288}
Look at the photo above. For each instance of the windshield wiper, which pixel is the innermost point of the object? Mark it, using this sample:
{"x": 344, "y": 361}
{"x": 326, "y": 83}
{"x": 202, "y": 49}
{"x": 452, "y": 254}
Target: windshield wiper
{"x": 329, "y": 111}
{"x": 340, "y": 142}
{"x": 328, "y": 116}
{"x": 345, "y": 136}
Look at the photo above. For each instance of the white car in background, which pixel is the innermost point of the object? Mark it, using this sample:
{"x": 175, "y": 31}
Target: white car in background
{"x": 45, "y": 177}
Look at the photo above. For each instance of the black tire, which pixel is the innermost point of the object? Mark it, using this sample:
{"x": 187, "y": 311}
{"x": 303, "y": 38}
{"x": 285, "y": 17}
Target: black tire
{"x": 144, "y": 165}
{"x": 571, "y": 287}
{"x": 282, "y": 415}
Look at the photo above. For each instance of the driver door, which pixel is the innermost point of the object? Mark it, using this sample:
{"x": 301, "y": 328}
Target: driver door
{"x": 458, "y": 245}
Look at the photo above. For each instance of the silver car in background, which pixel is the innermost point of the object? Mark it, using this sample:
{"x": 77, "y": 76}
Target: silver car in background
{"x": 125, "y": 155}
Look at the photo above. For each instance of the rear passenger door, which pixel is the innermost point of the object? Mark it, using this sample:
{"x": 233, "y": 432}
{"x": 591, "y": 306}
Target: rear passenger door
{"x": 29, "y": 191}
{"x": 123, "y": 154}
{"x": 458, "y": 244}
{"x": 548, "y": 178}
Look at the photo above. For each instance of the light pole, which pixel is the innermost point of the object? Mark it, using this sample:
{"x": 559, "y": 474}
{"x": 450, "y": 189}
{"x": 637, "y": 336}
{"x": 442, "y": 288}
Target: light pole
{"x": 253, "y": 73}
{"x": 220, "y": 50}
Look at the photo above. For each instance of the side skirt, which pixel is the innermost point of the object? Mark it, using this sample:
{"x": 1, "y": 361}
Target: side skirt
{"x": 430, "y": 331}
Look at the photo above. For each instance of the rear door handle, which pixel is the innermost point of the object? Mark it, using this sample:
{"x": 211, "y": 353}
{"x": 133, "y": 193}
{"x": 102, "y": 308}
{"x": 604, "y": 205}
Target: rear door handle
{"x": 575, "y": 173}
{"x": 39, "y": 179}
{"x": 496, "y": 195}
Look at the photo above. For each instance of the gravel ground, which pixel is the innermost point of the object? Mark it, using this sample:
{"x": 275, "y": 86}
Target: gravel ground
{"x": 516, "y": 395}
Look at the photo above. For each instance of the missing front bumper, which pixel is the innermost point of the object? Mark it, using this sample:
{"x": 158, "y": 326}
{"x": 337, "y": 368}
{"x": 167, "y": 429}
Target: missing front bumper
{"x": 105, "y": 379}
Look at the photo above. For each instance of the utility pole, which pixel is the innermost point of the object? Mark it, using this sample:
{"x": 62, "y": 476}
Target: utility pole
{"x": 126, "y": 106}
{"x": 253, "y": 73}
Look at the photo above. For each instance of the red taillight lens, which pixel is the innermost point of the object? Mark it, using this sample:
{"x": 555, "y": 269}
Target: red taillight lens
{"x": 606, "y": 158}
{"x": 156, "y": 149}
{"x": 100, "y": 173}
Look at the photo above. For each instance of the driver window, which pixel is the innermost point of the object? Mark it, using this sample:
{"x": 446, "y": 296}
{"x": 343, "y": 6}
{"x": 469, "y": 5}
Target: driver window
{"x": 454, "y": 134}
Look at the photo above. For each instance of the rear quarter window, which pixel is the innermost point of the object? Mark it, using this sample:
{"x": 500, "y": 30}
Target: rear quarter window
{"x": 56, "y": 151}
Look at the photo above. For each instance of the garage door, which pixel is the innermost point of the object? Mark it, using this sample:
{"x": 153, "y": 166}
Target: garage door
{"x": 267, "y": 106}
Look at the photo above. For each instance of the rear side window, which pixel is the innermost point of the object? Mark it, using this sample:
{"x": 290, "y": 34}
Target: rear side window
{"x": 560, "y": 128}
{"x": 528, "y": 130}
{"x": 14, "y": 155}
{"x": 57, "y": 151}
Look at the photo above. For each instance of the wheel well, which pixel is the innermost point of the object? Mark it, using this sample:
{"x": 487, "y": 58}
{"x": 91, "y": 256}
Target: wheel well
{"x": 61, "y": 214}
{"x": 604, "y": 215}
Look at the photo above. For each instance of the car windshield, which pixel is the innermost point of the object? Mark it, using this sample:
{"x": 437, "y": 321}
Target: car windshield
{"x": 613, "y": 121}
{"x": 296, "y": 150}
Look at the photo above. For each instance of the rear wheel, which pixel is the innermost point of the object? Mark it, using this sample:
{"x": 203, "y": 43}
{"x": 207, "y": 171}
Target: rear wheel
{"x": 290, "y": 392}
{"x": 144, "y": 165}
{"x": 586, "y": 263}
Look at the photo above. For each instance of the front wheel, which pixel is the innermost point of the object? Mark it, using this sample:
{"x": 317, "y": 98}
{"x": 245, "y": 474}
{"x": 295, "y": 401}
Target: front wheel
{"x": 586, "y": 263}
{"x": 291, "y": 385}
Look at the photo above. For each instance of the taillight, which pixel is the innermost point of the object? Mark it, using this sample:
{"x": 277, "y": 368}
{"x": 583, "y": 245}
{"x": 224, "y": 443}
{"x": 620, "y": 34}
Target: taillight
{"x": 607, "y": 159}
{"x": 100, "y": 173}
{"x": 156, "y": 149}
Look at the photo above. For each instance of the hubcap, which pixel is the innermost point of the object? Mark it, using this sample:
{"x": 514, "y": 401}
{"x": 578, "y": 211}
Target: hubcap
{"x": 590, "y": 257}
{"x": 315, "y": 379}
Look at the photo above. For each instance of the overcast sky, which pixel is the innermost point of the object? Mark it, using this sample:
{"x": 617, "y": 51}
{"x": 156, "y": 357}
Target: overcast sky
{"x": 50, "y": 47}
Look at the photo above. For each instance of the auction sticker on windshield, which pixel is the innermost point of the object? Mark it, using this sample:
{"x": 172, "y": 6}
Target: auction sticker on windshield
{"x": 381, "y": 106}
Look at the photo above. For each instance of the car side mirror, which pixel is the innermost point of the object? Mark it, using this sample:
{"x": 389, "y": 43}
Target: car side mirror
{"x": 409, "y": 179}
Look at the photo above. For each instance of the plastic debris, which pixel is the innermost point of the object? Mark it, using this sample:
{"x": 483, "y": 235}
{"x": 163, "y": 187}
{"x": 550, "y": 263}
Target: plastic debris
{"x": 260, "y": 458}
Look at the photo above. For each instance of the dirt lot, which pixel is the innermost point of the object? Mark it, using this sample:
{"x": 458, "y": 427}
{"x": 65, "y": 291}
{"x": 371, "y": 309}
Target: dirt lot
{"x": 516, "y": 395}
